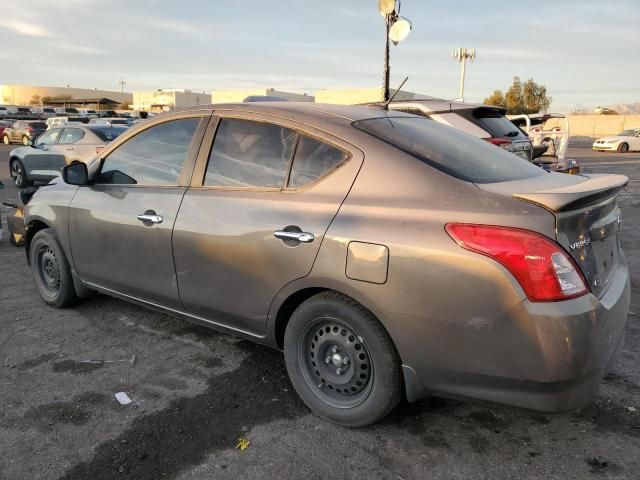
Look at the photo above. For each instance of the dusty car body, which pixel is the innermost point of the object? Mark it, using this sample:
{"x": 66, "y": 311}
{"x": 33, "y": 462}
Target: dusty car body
{"x": 380, "y": 255}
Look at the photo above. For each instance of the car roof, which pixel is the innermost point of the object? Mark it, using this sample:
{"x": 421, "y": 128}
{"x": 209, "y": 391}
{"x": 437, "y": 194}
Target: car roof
{"x": 306, "y": 112}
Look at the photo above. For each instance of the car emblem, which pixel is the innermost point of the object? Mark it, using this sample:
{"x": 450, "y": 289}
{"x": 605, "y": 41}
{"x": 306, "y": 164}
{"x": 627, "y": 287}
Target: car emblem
{"x": 580, "y": 244}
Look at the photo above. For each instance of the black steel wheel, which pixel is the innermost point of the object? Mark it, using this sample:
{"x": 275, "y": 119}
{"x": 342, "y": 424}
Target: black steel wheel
{"x": 336, "y": 363}
{"x": 51, "y": 271}
{"x": 341, "y": 360}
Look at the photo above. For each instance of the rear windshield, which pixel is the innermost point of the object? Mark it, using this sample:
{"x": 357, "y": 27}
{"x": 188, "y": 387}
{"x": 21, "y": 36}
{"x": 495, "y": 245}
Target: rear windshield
{"x": 495, "y": 123}
{"x": 107, "y": 133}
{"x": 449, "y": 150}
{"x": 41, "y": 125}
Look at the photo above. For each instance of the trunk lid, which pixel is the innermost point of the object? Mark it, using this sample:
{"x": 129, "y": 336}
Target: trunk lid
{"x": 587, "y": 217}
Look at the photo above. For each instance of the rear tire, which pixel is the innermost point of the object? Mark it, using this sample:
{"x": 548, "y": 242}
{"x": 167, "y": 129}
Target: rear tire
{"x": 51, "y": 270}
{"x": 623, "y": 147}
{"x": 19, "y": 174}
{"x": 341, "y": 361}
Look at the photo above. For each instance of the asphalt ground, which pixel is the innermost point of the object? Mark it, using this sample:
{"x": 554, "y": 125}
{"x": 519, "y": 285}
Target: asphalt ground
{"x": 196, "y": 393}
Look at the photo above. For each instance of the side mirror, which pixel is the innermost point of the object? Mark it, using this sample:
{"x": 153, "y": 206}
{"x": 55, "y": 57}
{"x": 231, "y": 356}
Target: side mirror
{"x": 76, "y": 174}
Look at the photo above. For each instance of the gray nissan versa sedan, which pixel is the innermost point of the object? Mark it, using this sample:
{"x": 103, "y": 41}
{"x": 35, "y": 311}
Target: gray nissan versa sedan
{"x": 384, "y": 253}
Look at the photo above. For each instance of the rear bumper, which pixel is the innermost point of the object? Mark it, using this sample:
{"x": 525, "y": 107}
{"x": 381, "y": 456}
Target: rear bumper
{"x": 544, "y": 356}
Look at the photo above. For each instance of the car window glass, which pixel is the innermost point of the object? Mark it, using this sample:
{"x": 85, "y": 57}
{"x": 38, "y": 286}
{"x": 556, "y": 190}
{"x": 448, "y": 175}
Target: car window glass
{"x": 70, "y": 135}
{"x": 312, "y": 160}
{"x": 48, "y": 138}
{"x": 449, "y": 150}
{"x": 153, "y": 157}
{"x": 250, "y": 154}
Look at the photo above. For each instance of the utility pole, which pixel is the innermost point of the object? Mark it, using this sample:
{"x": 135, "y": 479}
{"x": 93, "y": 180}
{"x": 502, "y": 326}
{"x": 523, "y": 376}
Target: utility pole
{"x": 461, "y": 55}
{"x": 397, "y": 29}
{"x": 122, "y": 83}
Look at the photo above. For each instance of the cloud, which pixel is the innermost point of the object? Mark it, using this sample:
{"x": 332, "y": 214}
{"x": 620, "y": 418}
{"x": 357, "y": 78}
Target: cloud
{"x": 25, "y": 28}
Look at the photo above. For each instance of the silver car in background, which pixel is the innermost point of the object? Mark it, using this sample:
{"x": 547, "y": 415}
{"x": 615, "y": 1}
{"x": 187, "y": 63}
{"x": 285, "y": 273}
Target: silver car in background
{"x": 44, "y": 159}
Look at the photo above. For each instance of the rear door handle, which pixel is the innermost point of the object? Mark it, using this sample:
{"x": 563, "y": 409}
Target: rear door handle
{"x": 150, "y": 217}
{"x": 303, "y": 237}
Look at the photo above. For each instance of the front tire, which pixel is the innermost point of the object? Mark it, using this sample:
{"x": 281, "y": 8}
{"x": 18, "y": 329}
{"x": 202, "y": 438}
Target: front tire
{"x": 25, "y": 140}
{"x": 5, "y": 140}
{"x": 18, "y": 174}
{"x": 623, "y": 147}
{"x": 341, "y": 361}
{"x": 51, "y": 270}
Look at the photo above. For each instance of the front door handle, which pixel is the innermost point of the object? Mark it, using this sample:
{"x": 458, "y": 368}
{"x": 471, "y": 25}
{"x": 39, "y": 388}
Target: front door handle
{"x": 303, "y": 237}
{"x": 150, "y": 217}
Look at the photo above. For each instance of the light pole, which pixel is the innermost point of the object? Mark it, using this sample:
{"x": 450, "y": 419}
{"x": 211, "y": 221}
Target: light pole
{"x": 397, "y": 28}
{"x": 461, "y": 55}
{"x": 122, "y": 83}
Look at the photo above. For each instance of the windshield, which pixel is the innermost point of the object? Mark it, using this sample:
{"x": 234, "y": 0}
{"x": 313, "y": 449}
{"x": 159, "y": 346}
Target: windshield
{"x": 107, "y": 133}
{"x": 449, "y": 150}
{"x": 627, "y": 133}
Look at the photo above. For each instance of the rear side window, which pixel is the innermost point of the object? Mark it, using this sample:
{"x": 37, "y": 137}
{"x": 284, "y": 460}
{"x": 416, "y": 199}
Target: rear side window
{"x": 70, "y": 135}
{"x": 250, "y": 154}
{"x": 107, "y": 133}
{"x": 313, "y": 159}
{"x": 494, "y": 122}
{"x": 153, "y": 157}
{"x": 449, "y": 150}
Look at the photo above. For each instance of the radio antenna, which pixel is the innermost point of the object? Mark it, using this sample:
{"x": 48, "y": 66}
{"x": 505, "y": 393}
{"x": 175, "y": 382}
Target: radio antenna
{"x": 386, "y": 105}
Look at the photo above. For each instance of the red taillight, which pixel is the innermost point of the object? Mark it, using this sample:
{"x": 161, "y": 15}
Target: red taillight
{"x": 500, "y": 142}
{"x": 542, "y": 268}
{"x": 99, "y": 149}
{"x": 29, "y": 129}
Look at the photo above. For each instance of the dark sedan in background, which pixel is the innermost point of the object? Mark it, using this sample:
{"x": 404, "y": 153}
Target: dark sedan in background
{"x": 23, "y": 131}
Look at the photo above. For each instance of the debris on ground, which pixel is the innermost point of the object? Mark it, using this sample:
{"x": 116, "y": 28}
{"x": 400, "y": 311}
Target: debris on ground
{"x": 123, "y": 398}
{"x": 243, "y": 444}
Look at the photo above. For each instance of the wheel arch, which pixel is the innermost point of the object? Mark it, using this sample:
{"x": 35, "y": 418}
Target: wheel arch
{"x": 32, "y": 228}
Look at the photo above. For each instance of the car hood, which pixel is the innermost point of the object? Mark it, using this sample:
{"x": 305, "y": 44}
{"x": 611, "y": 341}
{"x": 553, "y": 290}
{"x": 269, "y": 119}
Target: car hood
{"x": 19, "y": 152}
{"x": 614, "y": 138}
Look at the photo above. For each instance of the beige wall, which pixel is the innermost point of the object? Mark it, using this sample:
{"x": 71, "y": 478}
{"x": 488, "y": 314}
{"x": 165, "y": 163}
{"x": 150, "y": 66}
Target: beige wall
{"x": 22, "y": 94}
{"x": 238, "y": 95}
{"x": 599, "y": 125}
{"x": 168, "y": 99}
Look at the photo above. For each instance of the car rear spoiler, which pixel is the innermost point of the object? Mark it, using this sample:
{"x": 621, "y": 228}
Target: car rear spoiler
{"x": 586, "y": 190}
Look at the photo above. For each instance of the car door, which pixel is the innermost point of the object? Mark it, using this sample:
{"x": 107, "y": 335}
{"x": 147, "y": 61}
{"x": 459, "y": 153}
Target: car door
{"x": 36, "y": 160}
{"x": 66, "y": 149}
{"x": 635, "y": 142}
{"x": 120, "y": 227}
{"x": 249, "y": 225}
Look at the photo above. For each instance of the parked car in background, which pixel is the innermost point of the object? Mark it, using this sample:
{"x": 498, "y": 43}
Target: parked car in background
{"x": 551, "y": 142}
{"x": 107, "y": 113}
{"x": 23, "y": 131}
{"x": 56, "y": 121}
{"x": 482, "y": 121}
{"x": 48, "y": 112}
{"x": 625, "y": 141}
{"x": 111, "y": 121}
{"x": 434, "y": 262}
{"x": 56, "y": 148}
{"x": 5, "y": 124}
{"x": 87, "y": 112}
{"x": 3, "y": 111}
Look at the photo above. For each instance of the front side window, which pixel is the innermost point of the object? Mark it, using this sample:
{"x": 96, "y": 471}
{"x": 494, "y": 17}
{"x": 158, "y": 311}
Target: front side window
{"x": 312, "y": 160}
{"x": 250, "y": 154}
{"x": 71, "y": 135}
{"x": 48, "y": 138}
{"x": 153, "y": 157}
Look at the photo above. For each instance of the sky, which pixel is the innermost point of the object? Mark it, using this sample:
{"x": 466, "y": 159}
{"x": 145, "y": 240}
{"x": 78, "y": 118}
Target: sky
{"x": 586, "y": 52}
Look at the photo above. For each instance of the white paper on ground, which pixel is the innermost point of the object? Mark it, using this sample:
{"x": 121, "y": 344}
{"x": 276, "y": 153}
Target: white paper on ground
{"x": 123, "y": 398}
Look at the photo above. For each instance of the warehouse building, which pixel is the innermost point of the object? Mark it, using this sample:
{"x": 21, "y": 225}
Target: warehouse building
{"x": 37, "y": 95}
{"x": 239, "y": 95}
{"x": 167, "y": 99}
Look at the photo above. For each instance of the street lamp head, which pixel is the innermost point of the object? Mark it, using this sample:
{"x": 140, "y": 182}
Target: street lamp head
{"x": 386, "y": 7}
{"x": 399, "y": 30}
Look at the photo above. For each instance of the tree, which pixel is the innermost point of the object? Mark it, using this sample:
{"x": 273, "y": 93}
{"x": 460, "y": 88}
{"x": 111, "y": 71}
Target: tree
{"x": 529, "y": 97}
{"x": 496, "y": 98}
